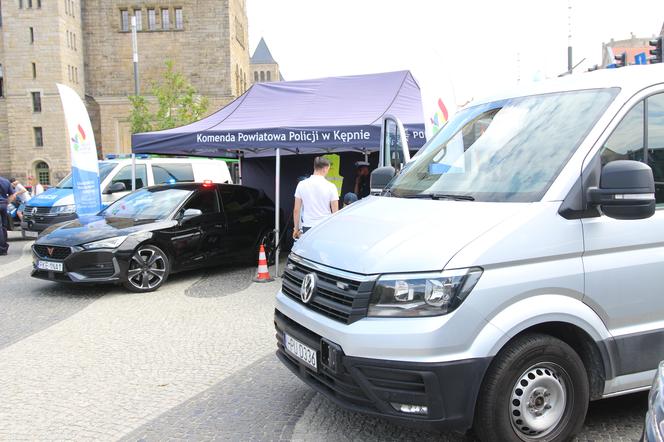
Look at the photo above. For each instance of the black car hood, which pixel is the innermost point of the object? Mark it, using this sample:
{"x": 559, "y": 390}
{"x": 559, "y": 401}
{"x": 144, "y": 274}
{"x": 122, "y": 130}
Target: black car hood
{"x": 95, "y": 228}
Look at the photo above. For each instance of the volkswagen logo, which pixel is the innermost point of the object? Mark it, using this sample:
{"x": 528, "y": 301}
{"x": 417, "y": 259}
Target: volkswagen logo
{"x": 308, "y": 287}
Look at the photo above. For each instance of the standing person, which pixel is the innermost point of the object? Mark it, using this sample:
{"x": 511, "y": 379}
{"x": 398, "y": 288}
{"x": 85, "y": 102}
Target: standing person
{"x": 6, "y": 193}
{"x": 37, "y": 188}
{"x": 316, "y": 198}
{"x": 21, "y": 196}
{"x": 362, "y": 179}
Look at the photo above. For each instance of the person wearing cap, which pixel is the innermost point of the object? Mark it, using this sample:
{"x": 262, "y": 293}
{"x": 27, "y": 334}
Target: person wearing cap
{"x": 315, "y": 198}
{"x": 362, "y": 185}
{"x": 349, "y": 199}
{"x": 6, "y": 196}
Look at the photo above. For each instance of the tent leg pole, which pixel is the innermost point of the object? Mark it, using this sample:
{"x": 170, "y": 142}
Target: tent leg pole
{"x": 366, "y": 156}
{"x": 133, "y": 172}
{"x": 277, "y": 197}
{"x": 239, "y": 168}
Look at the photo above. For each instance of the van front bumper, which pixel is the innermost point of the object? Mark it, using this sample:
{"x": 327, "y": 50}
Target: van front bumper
{"x": 384, "y": 388}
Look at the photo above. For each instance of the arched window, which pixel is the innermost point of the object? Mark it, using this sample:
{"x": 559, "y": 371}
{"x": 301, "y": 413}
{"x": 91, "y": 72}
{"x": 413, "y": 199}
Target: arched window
{"x": 237, "y": 79}
{"x": 269, "y": 76}
{"x": 255, "y": 76}
{"x": 262, "y": 76}
{"x": 43, "y": 173}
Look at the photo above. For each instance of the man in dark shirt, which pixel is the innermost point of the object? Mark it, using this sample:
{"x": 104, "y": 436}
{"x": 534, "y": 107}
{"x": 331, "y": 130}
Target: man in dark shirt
{"x": 6, "y": 191}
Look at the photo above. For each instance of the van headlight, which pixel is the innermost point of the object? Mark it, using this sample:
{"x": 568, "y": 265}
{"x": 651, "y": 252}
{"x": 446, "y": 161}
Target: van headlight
{"x": 109, "y": 243}
{"x": 69, "y": 208}
{"x": 424, "y": 294}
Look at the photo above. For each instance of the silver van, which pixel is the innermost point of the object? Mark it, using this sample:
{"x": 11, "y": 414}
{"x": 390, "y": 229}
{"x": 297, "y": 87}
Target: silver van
{"x": 508, "y": 275}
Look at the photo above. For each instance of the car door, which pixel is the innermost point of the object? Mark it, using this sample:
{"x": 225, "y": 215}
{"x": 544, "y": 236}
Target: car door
{"x": 624, "y": 259}
{"x": 199, "y": 240}
{"x": 242, "y": 220}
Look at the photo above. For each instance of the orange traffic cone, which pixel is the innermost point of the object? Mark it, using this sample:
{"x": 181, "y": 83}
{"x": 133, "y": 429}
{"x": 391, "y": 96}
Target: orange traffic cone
{"x": 263, "y": 273}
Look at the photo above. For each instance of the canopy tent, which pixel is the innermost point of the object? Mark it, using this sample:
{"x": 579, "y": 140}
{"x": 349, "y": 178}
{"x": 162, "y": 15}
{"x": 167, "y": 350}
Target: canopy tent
{"x": 325, "y": 115}
{"x": 308, "y": 116}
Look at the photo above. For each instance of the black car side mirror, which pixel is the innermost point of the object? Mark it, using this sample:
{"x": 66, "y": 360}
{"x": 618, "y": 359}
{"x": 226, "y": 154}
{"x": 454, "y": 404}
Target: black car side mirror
{"x": 380, "y": 178}
{"x": 190, "y": 213}
{"x": 115, "y": 188}
{"x": 626, "y": 190}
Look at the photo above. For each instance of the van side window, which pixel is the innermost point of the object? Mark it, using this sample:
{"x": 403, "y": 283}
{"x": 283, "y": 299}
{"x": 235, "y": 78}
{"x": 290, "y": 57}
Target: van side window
{"x": 124, "y": 176}
{"x": 655, "y": 109}
{"x": 626, "y": 141}
{"x": 172, "y": 172}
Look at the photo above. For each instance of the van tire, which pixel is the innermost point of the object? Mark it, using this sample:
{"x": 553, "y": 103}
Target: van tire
{"x": 550, "y": 374}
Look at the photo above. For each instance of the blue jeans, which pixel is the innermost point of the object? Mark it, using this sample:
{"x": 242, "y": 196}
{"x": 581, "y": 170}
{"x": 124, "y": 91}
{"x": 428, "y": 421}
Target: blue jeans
{"x": 4, "y": 223}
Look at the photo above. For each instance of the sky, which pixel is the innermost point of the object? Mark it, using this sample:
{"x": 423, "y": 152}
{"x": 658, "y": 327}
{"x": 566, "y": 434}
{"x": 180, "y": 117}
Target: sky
{"x": 456, "y": 50}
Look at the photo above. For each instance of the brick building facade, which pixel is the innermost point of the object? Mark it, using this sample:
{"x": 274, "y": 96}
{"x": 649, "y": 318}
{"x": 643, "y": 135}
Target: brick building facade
{"x": 86, "y": 44}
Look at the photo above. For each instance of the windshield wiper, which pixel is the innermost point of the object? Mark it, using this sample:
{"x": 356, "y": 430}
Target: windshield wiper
{"x": 441, "y": 196}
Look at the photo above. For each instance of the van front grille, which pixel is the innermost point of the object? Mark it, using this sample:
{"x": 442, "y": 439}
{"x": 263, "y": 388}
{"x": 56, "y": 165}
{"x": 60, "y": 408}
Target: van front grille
{"x": 338, "y": 295}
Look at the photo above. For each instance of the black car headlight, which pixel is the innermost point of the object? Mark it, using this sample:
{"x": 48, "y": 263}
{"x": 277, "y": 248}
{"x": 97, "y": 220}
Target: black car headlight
{"x": 423, "y": 294}
{"x": 655, "y": 421}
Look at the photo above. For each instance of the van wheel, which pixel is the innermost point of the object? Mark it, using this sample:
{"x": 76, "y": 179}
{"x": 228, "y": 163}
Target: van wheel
{"x": 148, "y": 269}
{"x": 536, "y": 389}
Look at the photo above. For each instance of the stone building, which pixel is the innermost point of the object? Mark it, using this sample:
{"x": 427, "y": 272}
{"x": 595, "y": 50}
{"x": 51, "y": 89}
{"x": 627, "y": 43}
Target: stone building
{"x": 263, "y": 66}
{"x": 86, "y": 44}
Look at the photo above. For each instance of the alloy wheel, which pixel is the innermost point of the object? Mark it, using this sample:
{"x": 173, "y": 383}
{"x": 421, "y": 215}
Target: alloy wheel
{"x": 147, "y": 269}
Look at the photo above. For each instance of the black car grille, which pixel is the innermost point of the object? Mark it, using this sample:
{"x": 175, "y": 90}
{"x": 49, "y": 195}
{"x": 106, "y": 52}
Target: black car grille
{"x": 340, "y": 298}
{"x": 101, "y": 270}
{"x": 51, "y": 252}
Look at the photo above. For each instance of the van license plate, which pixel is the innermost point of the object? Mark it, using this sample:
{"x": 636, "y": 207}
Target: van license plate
{"x": 301, "y": 352}
{"x": 49, "y": 265}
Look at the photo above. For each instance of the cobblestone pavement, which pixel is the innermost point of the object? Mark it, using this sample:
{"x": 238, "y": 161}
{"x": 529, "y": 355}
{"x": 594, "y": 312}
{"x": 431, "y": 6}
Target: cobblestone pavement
{"x": 193, "y": 361}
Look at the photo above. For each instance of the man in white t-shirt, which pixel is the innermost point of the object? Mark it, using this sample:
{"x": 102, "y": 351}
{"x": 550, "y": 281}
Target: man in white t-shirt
{"x": 315, "y": 198}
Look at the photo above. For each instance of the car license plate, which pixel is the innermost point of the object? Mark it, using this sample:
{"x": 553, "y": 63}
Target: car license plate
{"x": 49, "y": 265}
{"x": 30, "y": 234}
{"x": 301, "y": 351}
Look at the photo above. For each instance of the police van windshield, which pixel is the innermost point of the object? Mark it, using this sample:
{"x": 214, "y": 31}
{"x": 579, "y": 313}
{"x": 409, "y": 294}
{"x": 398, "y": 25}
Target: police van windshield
{"x": 505, "y": 151}
{"x": 105, "y": 167}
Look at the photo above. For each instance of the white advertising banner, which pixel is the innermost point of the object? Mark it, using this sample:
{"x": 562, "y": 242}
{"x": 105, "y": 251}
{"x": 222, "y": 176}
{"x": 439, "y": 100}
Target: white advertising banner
{"x": 84, "y": 165}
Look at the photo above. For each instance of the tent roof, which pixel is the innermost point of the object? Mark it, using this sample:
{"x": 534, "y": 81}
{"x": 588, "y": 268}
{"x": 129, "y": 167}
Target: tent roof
{"x": 262, "y": 54}
{"x": 297, "y": 115}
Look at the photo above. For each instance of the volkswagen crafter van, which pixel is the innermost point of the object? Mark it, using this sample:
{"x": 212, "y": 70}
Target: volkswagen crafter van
{"x": 509, "y": 274}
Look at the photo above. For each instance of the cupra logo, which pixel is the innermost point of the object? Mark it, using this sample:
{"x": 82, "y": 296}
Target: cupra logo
{"x": 79, "y": 138}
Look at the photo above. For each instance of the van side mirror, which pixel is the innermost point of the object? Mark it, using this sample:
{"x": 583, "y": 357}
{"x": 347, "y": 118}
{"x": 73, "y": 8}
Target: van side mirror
{"x": 115, "y": 188}
{"x": 380, "y": 178}
{"x": 626, "y": 190}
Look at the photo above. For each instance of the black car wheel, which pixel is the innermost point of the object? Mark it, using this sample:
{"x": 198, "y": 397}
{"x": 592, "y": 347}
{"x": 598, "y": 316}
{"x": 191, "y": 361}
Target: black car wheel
{"x": 535, "y": 390}
{"x": 148, "y": 269}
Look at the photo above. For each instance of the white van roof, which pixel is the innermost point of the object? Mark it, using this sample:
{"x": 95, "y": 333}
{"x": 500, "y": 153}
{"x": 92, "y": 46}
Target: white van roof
{"x": 630, "y": 79}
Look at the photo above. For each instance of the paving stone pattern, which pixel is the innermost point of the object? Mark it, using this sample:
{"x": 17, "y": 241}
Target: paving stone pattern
{"x": 193, "y": 361}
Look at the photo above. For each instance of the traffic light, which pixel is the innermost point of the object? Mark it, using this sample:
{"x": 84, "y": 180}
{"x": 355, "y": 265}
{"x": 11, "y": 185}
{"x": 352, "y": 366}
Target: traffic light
{"x": 621, "y": 60}
{"x": 657, "y": 51}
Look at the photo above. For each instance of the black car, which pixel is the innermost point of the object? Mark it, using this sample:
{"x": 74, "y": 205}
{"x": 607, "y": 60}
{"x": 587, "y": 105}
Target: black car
{"x": 654, "y": 428}
{"x": 155, "y": 231}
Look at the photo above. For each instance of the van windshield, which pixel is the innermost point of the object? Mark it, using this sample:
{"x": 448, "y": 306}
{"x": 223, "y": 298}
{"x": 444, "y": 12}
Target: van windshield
{"x": 105, "y": 167}
{"x": 505, "y": 151}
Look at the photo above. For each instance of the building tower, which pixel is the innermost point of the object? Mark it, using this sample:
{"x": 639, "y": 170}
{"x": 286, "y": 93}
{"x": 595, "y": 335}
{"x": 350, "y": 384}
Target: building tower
{"x": 263, "y": 66}
{"x": 41, "y": 46}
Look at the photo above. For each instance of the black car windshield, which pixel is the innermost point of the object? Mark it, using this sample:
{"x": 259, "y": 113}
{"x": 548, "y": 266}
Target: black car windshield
{"x": 147, "y": 204}
{"x": 504, "y": 151}
{"x": 105, "y": 167}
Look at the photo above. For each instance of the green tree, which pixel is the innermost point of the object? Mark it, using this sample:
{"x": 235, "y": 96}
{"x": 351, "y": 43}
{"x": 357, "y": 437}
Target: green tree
{"x": 178, "y": 104}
